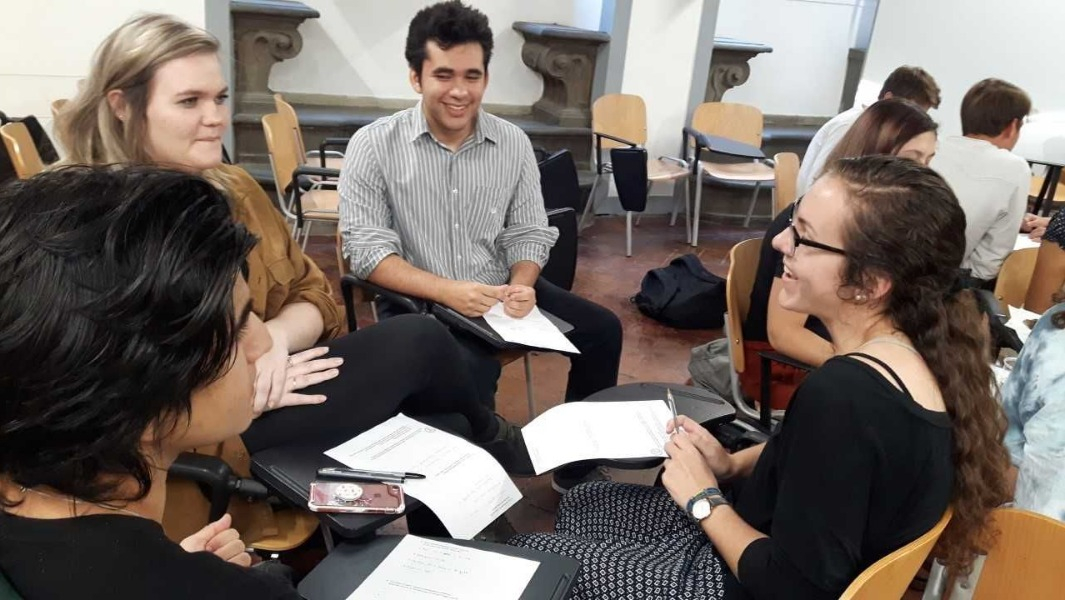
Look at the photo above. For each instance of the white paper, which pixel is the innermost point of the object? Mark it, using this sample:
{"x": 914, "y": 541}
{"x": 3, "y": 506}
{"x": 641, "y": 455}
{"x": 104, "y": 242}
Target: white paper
{"x": 464, "y": 486}
{"x": 1023, "y": 241}
{"x": 534, "y": 329}
{"x": 1016, "y": 322}
{"x": 587, "y": 430}
{"x": 1001, "y": 375}
{"x": 427, "y": 569}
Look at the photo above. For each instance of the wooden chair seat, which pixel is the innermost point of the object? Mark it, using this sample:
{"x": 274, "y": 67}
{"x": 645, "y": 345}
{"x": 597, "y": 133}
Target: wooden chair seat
{"x": 1015, "y": 276}
{"x": 663, "y": 170}
{"x": 321, "y": 200}
{"x": 748, "y": 171}
{"x": 295, "y": 526}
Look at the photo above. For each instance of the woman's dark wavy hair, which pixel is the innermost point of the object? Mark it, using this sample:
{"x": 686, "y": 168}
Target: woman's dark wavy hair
{"x": 116, "y": 303}
{"x": 883, "y": 128}
{"x": 906, "y": 226}
{"x": 448, "y": 24}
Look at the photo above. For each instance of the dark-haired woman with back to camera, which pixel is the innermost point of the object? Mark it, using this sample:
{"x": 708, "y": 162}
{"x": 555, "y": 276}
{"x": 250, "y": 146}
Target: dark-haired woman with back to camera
{"x": 143, "y": 346}
{"x": 876, "y": 445}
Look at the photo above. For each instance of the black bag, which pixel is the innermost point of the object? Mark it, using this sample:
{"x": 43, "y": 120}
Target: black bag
{"x": 684, "y": 295}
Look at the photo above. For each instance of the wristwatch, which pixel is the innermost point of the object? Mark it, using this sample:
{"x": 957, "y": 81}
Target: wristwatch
{"x": 704, "y": 503}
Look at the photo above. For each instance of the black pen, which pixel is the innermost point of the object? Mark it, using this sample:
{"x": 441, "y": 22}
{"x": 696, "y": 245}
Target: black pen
{"x": 367, "y": 475}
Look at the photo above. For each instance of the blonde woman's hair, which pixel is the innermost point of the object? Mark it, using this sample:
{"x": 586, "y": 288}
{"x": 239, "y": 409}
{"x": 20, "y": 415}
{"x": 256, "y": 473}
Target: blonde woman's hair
{"x": 126, "y": 61}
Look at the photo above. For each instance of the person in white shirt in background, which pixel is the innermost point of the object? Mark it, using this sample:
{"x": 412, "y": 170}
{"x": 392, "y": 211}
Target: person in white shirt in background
{"x": 911, "y": 83}
{"x": 991, "y": 182}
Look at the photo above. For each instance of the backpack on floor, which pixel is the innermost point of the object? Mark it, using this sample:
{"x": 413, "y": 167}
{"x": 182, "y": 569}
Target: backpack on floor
{"x": 683, "y": 294}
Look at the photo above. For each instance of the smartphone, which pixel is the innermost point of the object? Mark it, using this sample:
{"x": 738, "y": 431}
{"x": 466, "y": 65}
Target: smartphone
{"x": 356, "y": 497}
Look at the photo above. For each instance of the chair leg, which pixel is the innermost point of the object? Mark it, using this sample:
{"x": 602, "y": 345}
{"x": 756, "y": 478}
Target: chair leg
{"x": 687, "y": 210}
{"x": 754, "y": 199}
{"x": 676, "y": 201}
{"x": 628, "y": 233}
{"x": 694, "y": 241}
{"x": 306, "y": 235}
{"x": 529, "y": 386}
{"x": 588, "y": 206}
{"x": 373, "y": 310}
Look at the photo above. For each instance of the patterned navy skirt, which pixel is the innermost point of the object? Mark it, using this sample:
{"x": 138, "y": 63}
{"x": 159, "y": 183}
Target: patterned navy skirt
{"x": 633, "y": 542}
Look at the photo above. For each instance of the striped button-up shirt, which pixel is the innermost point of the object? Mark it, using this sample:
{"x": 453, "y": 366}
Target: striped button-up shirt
{"x": 465, "y": 215}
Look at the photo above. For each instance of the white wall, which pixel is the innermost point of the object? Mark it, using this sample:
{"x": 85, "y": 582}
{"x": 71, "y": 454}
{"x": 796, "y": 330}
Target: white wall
{"x": 961, "y": 42}
{"x": 658, "y": 65}
{"x": 804, "y": 73}
{"x": 62, "y": 36}
{"x": 356, "y": 48}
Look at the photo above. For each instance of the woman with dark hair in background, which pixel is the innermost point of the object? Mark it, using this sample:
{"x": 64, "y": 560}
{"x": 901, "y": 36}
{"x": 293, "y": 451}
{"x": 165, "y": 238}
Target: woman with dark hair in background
{"x": 894, "y": 126}
{"x": 877, "y": 443}
{"x": 143, "y": 346}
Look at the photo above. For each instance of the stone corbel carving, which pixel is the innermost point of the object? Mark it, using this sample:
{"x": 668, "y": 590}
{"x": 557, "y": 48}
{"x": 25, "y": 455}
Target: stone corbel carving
{"x": 729, "y": 67}
{"x": 565, "y": 57}
{"x": 265, "y": 32}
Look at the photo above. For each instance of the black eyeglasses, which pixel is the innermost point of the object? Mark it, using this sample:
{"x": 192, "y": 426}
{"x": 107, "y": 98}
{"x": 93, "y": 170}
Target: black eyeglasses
{"x": 797, "y": 240}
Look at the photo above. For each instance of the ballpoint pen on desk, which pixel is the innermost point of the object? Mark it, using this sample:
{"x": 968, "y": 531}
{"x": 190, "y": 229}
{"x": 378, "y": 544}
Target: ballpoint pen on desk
{"x": 672, "y": 408}
{"x": 367, "y": 475}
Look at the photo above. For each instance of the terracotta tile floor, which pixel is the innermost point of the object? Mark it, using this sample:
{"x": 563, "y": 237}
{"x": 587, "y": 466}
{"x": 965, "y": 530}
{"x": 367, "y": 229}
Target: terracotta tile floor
{"x": 651, "y": 352}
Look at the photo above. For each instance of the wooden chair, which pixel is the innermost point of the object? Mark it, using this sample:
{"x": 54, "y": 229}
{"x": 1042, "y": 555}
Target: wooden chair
{"x": 888, "y": 578}
{"x": 738, "y": 122}
{"x": 620, "y": 121}
{"x": 303, "y": 207}
{"x": 785, "y": 180}
{"x": 743, "y": 263}
{"x": 1026, "y": 561}
{"x": 1015, "y": 276}
{"x": 21, "y": 149}
{"x": 328, "y": 159}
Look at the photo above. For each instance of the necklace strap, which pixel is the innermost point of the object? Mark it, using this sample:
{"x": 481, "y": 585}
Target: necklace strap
{"x": 74, "y": 500}
{"x": 888, "y": 339}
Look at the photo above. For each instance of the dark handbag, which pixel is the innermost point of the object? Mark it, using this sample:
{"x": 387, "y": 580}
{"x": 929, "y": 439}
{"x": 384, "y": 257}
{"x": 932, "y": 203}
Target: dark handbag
{"x": 683, "y": 294}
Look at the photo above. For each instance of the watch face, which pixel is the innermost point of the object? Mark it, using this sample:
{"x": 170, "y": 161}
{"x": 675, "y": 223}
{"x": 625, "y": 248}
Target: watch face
{"x": 701, "y": 509}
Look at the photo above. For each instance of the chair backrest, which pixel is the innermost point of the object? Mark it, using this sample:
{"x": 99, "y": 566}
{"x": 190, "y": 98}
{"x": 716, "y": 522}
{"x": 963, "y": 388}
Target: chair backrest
{"x": 21, "y": 149}
{"x": 743, "y": 263}
{"x": 888, "y": 578}
{"x": 288, "y": 113}
{"x": 284, "y": 154}
{"x": 1015, "y": 276}
{"x": 740, "y": 122}
{"x": 559, "y": 182}
{"x": 785, "y": 180}
{"x": 57, "y": 105}
{"x": 621, "y": 115}
{"x": 1026, "y": 561}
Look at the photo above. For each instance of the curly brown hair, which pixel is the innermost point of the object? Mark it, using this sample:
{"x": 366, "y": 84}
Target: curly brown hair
{"x": 907, "y": 226}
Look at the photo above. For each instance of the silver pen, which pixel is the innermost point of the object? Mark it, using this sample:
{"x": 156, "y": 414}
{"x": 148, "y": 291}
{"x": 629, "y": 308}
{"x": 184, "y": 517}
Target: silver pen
{"x": 672, "y": 408}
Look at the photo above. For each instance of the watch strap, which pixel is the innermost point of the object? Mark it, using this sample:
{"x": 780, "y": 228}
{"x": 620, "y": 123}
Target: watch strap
{"x": 712, "y": 494}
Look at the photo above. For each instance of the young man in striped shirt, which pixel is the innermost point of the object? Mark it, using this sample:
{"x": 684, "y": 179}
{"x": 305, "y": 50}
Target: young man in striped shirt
{"x": 442, "y": 201}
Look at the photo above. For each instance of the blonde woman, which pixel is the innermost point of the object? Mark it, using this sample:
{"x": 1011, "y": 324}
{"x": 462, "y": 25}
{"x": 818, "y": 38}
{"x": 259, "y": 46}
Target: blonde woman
{"x": 156, "y": 95}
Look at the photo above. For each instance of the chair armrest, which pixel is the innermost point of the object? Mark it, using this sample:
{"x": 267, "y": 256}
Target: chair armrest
{"x": 219, "y": 479}
{"x": 315, "y": 171}
{"x": 348, "y": 284}
{"x": 769, "y": 357}
{"x": 701, "y": 143}
{"x": 674, "y": 159}
{"x": 599, "y": 147}
{"x": 331, "y": 142}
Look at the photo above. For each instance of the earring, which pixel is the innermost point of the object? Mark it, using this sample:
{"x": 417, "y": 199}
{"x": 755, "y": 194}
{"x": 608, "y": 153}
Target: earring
{"x": 859, "y": 297}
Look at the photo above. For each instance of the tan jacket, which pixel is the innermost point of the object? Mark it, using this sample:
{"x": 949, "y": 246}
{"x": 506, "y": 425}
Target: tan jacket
{"x": 279, "y": 273}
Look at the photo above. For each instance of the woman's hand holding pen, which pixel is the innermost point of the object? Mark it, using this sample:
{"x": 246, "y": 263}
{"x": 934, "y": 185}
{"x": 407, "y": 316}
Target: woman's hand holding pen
{"x": 717, "y": 458}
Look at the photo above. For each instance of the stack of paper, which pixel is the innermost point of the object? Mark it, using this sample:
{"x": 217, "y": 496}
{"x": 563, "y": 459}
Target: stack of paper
{"x": 587, "y": 430}
{"x": 464, "y": 486}
{"x": 1018, "y": 316}
{"x": 427, "y": 569}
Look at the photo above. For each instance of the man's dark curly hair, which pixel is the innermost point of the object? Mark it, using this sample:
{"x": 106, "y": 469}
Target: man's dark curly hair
{"x": 449, "y": 24}
{"x": 116, "y": 304}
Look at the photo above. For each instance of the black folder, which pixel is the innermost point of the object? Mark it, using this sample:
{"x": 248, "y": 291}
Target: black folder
{"x": 349, "y": 564}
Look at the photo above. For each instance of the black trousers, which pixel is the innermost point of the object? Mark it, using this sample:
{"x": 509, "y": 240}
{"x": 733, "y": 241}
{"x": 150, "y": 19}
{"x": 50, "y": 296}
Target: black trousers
{"x": 410, "y": 364}
{"x": 596, "y": 333}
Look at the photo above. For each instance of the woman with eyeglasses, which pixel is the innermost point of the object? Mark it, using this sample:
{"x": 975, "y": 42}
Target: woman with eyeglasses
{"x": 894, "y": 126}
{"x": 877, "y": 443}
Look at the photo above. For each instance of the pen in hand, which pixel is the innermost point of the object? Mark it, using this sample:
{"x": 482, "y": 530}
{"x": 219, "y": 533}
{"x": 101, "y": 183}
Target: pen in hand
{"x": 673, "y": 409}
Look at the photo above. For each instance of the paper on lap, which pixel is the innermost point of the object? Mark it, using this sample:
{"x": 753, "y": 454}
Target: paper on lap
{"x": 432, "y": 570}
{"x": 464, "y": 486}
{"x": 1023, "y": 241}
{"x": 534, "y": 330}
{"x": 588, "y": 430}
{"x": 1017, "y": 319}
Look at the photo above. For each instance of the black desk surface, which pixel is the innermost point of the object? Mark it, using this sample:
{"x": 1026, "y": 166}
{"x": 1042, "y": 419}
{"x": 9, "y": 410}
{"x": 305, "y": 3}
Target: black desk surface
{"x": 348, "y": 565}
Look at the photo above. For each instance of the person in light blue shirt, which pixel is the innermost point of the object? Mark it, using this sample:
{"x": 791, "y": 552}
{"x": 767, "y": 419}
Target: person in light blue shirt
{"x": 1034, "y": 400}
